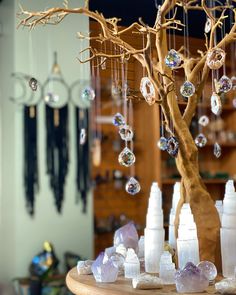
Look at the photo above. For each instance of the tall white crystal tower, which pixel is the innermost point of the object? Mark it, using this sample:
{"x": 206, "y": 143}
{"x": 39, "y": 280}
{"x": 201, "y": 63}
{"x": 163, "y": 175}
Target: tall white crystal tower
{"x": 175, "y": 200}
{"x": 154, "y": 232}
{"x": 228, "y": 231}
{"x": 187, "y": 242}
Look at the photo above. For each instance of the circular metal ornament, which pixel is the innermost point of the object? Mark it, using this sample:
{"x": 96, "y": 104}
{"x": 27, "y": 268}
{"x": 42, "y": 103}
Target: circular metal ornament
{"x": 215, "y": 58}
{"x": 172, "y": 146}
{"x": 148, "y": 91}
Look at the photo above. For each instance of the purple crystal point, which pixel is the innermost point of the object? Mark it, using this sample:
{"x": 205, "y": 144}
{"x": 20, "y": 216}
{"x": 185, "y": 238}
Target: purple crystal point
{"x": 127, "y": 235}
{"x": 104, "y": 272}
{"x": 191, "y": 279}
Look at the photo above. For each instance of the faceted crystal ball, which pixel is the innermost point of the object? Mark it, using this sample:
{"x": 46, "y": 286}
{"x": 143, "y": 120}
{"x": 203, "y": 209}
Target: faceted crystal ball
{"x": 127, "y": 235}
{"x": 187, "y": 89}
{"x": 33, "y": 84}
{"x": 225, "y": 84}
{"x": 118, "y": 120}
{"x": 217, "y": 150}
{"x": 162, "y": 143}
{"x": 126, "y": 133}
{"x": 200, "y": 140}
{"x": 126, "y": 157}
{"x": 191, "y": 279}
{"x": 104, "y": 272}
{"x": 88, "y": 94}
{"x": 208, "y": 269}
{"x": 173, "y": 59}
{"x": 132, "y": 186}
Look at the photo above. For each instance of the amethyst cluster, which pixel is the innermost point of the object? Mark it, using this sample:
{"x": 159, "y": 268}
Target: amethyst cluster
{"x": 127, "y": 235}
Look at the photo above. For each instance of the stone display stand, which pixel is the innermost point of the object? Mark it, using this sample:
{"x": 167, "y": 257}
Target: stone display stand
{"x": 86, "y": 285}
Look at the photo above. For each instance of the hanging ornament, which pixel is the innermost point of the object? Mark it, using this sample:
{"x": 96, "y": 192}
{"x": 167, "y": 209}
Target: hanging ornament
{"x": 233, "y": 79}
{"x": 173, "y": 60}
{"x": 187, "y": 89}
{"x": 83, "y": 136}
{"x": 132, "y": 186}
{"x": 118, "y": 120}
{"x": 33, "y": 84}
{"x": 203, "y": 121}
{"x": 224, "y": 84}
{"x": 162, "y": 143}
{"x": 200, "y": 140}
{"x": 126, "y": 157}
{"x": 215, "y": 58}
{"x": 88, "y": 94}
{"x": 148, "y": 91}
{"x": 172, "y": 146}
{"x": 217, "y": 150}
{"x": 208, "y": 26}
{"x": 126, "y": 133}
{"x": 216, "y": 105}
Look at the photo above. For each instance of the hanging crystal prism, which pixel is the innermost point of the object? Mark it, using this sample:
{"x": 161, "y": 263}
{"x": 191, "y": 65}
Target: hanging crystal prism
{"x": 126, "y": 157}
{"x": 148, "y": 91}
{"x": 162, "y": 143}
{"x": 172, "y": 146}
{"x": 216, "y": 105}
{"x": 83, "y": 136}
{"x": 173, "y": 60}
{"x": 217, "y": 150}
{"x": 203, "y": 121}
{"x": 208, "y": 25}
{"x": 33, "y": 84}
{"x": 88, "y": 94}
{"x": 215, "y": 58}
{"x": 187, "y": 89}
{"x": 118, "y": 120}
{"x": 126, "y": 133}
{"x": 200, "y": 140}
{"x": 224, "y": 84}
{"x": 233, "y": 79}
{"x": 132, "y": 186}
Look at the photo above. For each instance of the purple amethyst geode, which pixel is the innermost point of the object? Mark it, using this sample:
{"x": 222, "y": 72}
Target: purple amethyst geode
{"x": 104, "y": 271}
{"x": 191, "y": 279}
{"x": 128, "y": 236}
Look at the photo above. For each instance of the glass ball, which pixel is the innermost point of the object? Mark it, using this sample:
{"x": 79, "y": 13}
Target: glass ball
{"x": 88, "y": 94}
{"x": 162, "y": 143}
{"x": 126, "y": 133}
{"x": 126, "y": 157}
{"x": 118, "y": 120}
{"x": 173, "y": 60}
{"x": 187, "y": 89}
{"x": 225, "y": 84}
{"x": 132, "y": 187}
{"x": 200, "y": 140}
{"x": 209, "y": 270}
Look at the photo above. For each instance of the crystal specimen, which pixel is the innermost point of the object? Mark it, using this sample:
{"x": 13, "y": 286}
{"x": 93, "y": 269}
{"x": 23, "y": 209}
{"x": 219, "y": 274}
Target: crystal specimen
{"x": 126, "y": 133}
{"x": 172, "y": 146}
{"x": 83, "y": 136}
{"x": 215, "y": 58}
{"x": 118, "y": 120}
{"x": 162, "y": 143}
{"x": 146, "y": 281}
{"x": 207, "y": 28}
{"x": 209, "y": 270}
{"x": 132, "y": 187}
{"x": 148, "y": 91}
{"x": 126, "y": 157}
{"x": 118, "y": 260}
{"x": 203, "y": 121}
{"x": 216, "y": 105}
{"x": 173, "y": 60}
{"x": 88, "y": 94}
{"x": 226, "y": 286}
{"x": 33, "y": 84}
{"x": 187, "y": 89}
{"x": 225, "y": 84}
{"x": 154, "y": 232}
{"x": 191, "y": 279}
{"x": 217, "y": 150}
{"x": 131, "y": 265}
{"x": 167, "y": 268}
{"x": 127, "y": 235}
{"x": 104, "y": 272}
{"x": 84, "y": 267}
{"x": 200, "y": 140}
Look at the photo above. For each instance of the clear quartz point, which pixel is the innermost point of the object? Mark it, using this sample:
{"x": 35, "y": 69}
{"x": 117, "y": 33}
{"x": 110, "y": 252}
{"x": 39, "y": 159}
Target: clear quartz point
{"x": 217, "y": 150}
{"x": 126, "y": 133}
{"x": 118, "y": 120}
{"x": 88, "y": 94}
{"x": 162, "y": 143}
{"x": 200, "y": 140}
{"x": 132, "y": 186}
{"x": 173, "y": 60}
{"x": 187, "y": 89}
{"x": 126, "y": 157}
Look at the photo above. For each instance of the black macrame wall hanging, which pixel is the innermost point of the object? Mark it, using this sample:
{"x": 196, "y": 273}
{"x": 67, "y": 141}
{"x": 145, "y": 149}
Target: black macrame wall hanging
{"x": 82, "y": 153}
{"x": 30, "y": 156}
{"x": 57, "y": 151}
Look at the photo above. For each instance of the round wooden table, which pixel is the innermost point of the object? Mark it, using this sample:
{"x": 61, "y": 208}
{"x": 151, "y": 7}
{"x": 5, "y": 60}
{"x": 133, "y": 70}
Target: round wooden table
{"x": 86, "y": 285}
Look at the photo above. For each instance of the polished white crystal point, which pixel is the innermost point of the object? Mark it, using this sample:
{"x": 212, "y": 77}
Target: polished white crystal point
{"x": 84, "y": 267}
{"x": 187, "y": 242}
{"x": 226, "y": 286}
{"x": 167, "y": 268}
{"x": 154, "y": 232}
{"x": 175, "y": 201}
{"x": 131, "y": 265}
{"x": 146, "y": 281}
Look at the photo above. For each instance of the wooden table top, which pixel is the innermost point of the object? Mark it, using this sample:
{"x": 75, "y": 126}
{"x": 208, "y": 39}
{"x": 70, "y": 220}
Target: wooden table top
{"x": 86, "y": 285}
